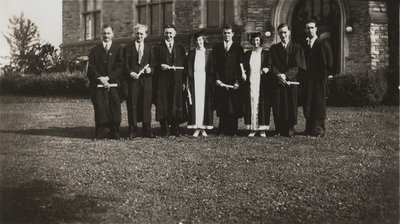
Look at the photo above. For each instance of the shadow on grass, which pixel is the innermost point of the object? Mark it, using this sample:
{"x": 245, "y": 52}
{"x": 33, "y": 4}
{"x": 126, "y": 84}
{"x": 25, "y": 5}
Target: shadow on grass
{"x": 40, "y": 202}
{"x": 89, "y": 132}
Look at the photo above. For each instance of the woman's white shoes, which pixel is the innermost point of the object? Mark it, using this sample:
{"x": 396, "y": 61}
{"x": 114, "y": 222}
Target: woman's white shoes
{"x": 196, "y": 133}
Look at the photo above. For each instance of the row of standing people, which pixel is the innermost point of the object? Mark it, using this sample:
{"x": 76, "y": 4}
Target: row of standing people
{"x": 189, "y": 87}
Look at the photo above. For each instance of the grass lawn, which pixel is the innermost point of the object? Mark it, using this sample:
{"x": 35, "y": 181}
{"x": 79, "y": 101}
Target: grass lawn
{"x": 53, "y": 172}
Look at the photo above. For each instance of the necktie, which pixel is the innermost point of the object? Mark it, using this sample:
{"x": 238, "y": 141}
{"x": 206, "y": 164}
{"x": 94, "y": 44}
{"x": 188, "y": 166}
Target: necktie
{"x": 226, "y": 47}
{"x": 140, "y": 52}
{"x": 309, "y": 44}
{"x": 107, "y": 47}
{"x": 170, "y": 47}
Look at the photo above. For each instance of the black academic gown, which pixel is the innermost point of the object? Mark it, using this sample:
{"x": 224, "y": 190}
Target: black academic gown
{"x": 314, "y": 82}
{"x": 285, "y": 98}
{"x": 265, "y": 97}
{"x": 209, "y": 86}
{"x": 168, "y": 85}
{"x": 226, "y": 67}
{"x": 138, "y": 91}
{"x": 106, "y": 103}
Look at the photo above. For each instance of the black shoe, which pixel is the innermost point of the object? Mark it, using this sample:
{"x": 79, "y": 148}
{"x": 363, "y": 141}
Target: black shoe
{"x": 100, "y": 132}
{"x": 149, "y": 135}
{"x": 115, "y": 133}
{"x": 132, "y": 132}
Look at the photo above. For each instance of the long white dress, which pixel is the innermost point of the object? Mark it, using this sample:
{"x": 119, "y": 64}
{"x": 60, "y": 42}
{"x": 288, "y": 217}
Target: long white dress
{"x": 199, "y": 71}
{"x": 255, "y": 81}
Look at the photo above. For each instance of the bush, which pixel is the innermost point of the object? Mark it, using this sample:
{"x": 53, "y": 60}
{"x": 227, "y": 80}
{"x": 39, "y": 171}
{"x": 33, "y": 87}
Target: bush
{"x": 65, "y": 83}
{"x": 358, "y": 88}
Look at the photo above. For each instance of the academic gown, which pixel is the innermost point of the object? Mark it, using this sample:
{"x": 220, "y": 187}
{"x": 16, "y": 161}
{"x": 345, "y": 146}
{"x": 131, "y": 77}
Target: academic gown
{"x": 209, "y": 86}
{"x": 265, "y": 95}
{"x": 168, "y": 84}
{"x": 285, "y": 98}
{"x": 226, "y": 66}
{"x": 314, "y": 81}
{"x": 138, "y": 91}
{"x": 106, "y": 103}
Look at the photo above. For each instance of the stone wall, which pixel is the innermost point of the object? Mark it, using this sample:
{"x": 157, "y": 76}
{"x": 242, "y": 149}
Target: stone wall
{"x": 70, "y": 21}
{"x": 379, "y": 35}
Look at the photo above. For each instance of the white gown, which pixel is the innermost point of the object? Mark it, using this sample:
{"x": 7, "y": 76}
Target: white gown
{"x": 199, "y": 89}
{"x": 255, "y": 80}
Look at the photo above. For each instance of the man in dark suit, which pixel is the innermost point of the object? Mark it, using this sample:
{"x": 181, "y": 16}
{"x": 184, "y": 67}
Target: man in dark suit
{"x": 286, "y": 60}
{"x": 105, "y": 67}
{"x": 138, "y": 83}
{"x": 227, "y": 57}
{"x": 169, "y": 60}
{"x": 318, "y": 55}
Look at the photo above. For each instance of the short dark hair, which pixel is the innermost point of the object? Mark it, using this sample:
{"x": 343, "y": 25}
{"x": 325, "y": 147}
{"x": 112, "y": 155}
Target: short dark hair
{"x": 255, "y": 35}
{"x": 107, "y": 26}
{"x": 227, "y": 27}
{"x": 282, "y": 25}
{"x": 311, "y": 21}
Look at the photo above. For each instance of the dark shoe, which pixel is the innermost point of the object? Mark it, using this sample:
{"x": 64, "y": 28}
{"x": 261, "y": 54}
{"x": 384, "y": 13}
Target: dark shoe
{"x": 132, "y": 132}
{"x": 115, "y": 133}
{"x": 100, "y": 132}
{"x": 147, "y": 131}
{"x": 319, "y": 132}
{"x": 177, "y": 133}
{"x": 149, "y": 135}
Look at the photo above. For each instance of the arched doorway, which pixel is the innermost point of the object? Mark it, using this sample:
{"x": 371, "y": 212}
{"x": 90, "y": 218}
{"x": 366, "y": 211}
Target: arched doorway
{"x": 327, "y": 15}
{"x": 331, "y": 18}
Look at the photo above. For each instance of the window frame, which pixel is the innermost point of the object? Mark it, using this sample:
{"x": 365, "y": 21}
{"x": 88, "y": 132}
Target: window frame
{"x": 148, "y": 5}
{"x": 95, "y": 23}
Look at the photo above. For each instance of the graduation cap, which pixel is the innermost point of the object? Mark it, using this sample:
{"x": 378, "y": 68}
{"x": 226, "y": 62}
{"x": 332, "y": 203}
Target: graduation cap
{"x": 199, "y": 34}
{"x": 255, "y": 35}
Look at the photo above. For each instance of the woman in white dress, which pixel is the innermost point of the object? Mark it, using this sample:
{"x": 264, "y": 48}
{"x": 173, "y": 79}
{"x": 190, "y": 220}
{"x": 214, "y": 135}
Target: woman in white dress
{"x": 199, "y": 87}
{"x": 258, "y": 88}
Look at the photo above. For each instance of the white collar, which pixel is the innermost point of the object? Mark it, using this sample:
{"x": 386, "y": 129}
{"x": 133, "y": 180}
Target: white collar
{"x": 167, "y": 43}
{"x": 137, "y": 44}
{"x": 311, "y": 40}
{"x": 107, "y": 44}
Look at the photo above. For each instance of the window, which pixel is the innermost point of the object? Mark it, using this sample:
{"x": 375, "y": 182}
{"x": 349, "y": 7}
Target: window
{"x": 155, "y": 14}
{"x": 91, "y": 20}
{"x": 220, "y": 12}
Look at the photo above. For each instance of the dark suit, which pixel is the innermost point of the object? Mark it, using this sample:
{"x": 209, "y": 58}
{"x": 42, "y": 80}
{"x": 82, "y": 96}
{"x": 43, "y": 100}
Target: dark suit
{"x": 265, "y": 97}
{"x": 168, "y": 87}
{"x": 229, "y": 105}
{"x": 285, "y": 98}
{"x": 138, "y": 91}
{"x": 314, "y": 84}
{"x": 106, "y": 103}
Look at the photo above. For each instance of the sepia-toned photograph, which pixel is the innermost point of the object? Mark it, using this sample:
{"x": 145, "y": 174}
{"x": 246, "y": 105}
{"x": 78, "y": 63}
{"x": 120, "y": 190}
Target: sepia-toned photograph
{"x": 199, "y": 111}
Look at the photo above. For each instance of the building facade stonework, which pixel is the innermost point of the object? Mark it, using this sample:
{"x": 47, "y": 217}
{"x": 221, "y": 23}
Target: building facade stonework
{"x": 357, "y": 29}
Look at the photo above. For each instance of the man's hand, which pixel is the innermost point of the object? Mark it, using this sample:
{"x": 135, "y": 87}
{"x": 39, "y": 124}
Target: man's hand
{"x": 218, "y": 83}
{"x": 244, "y": 77}
{"x": 134, "y": 75}
{"x": 165, "y": 67}
{"x": 264, "y": 70}
{"x": 147, "y": 70}
{"x": 330, "y": 77}
{"x": 236, "y": 86}
{"x": 104, "y": 79}
{"x": 282, "y": 79}
{"x": 107, "y": 86}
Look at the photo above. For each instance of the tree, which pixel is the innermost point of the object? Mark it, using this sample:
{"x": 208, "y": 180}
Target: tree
{"x": 24, "y": 40}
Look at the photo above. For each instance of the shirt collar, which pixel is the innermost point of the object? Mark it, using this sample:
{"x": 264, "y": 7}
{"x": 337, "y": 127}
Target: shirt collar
{"x": 107, "y": 44}
{"x": 167, "y": 43}
{"x": 312, "y": 40}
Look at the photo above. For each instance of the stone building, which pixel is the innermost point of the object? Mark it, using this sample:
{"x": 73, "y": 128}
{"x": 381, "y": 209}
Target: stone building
{"x": 358, "y": 30}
